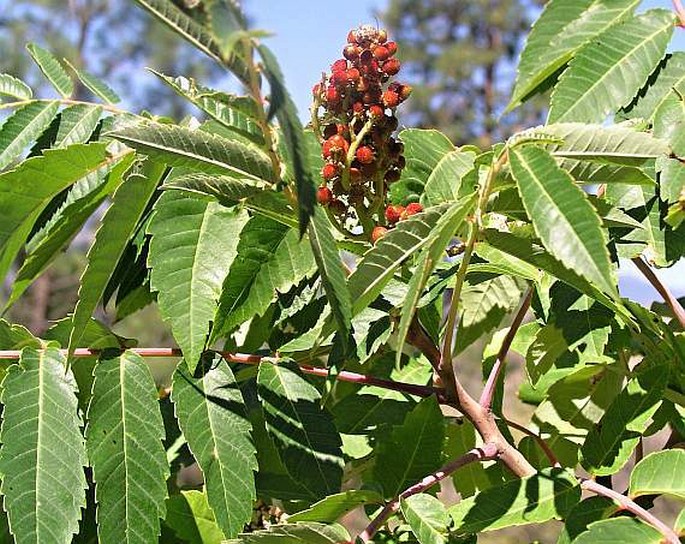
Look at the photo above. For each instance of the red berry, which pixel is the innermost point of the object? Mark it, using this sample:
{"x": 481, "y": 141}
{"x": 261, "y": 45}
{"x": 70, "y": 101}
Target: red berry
{"x": 391, "y": 99}
{"x": 324, "y": 195}
{"x": 329, "y": 171}
{"x": 353, "y": 75}
{"x": 391, "y": 47}
{"x": 377, "y": 233}
{"x": 339, "y": 78}
{"x": 381, "y": 53}
{"x": 375, "y": 111}
{"x": 339, "y": 66}
{"x": 335, "y": 145}
{"x": 412, "y": 209}
{"x": 332, "y": 95}
{"x": 404, "y": 92}
{"x": 391, "y": 66}
{"x": 365, "y": 154}
{"x": 351, "y": 52}
{"x": 352, "y": 36}
{"x": 393, "y": 213}
{"x": 358, "y": 107}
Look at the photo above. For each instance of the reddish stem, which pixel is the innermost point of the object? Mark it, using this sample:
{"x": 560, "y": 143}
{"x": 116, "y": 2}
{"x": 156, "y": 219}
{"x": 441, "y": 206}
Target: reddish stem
{"x": 487, "y": 452}
{"x": 491, "y": 383}
{"x": 541, "y": 441}
{"x": 631, "y": 506}
{"x": 247, "y": 359}
{"x": 668, "y": 297}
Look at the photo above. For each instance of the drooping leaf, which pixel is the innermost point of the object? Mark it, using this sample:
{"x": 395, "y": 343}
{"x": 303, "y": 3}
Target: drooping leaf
{"x": 562, "y": 28}
{"x": 565, "y": 221}
{"x": 333, "y": 507}
{"x": 379, "y": 264}
{"x": 23, "y": 127}
{"x": 14, "y": 87}
{"x": 52, "y": 69}
{"x": 621, "y": 529}
{"x": 303, "y": 431}
{"x": 209, "y": 153}
{"x": 451, "y": 222}
{"x": 427, "y": 517}
{"x": 124, "y": 440}
{"x": 118, "y": 225}
{"x": 211, "y": 412}
{"x": 412, "y": 451}
{"x": 270, "y": 259}
{"x": 82, "y": 200}
{"x": 330, "y": 267}
{"x": 96, "y": 86}
{"x": 549, "y": 494}
{"x": 608, "y": 71}
{"x": 76, "y": 124}
{"x": 27, "y": 190}
{"x": 660, "y": 473}
{"x": 191, "y": 518}
{"x": 297, "y": 533}
{"x": 283, "y": 108}
{"x": 193, "y": 245}
{"x": 610, "y": 443}
{"x": 42, "y": 454}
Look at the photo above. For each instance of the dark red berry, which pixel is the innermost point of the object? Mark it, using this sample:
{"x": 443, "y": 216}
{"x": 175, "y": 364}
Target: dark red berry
{"x": 332, "y": 95}
{"x": 365, "y": 154}
{"x": 352, "y": 36}
{"x": 391, "y": 66}
{"x": 358, "y": 107}
{"x": 335, "y": 145}
{"x": 391, "y": 99}
{"x": 351, "y": 52}
{"x": 412, "y": 209}
{"x": 338, "y": 207}
{"x": 329, "y": 171}
{"x": 339, "y": 66}
{"x": 377, "y": 233}
{"x": 375, "y": 110}
{"x": 391, "y": 47}
{"x": 324, "y": 195}
{"x": 405, "y": 91}
{"x": 381, "y": 53}
{"x": 353, "y": 75}
{"x": 355, "y": 176}
{"x": 393, "y": 213}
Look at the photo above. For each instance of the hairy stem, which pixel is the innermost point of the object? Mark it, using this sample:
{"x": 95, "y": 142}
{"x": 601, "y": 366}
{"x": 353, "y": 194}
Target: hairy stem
{"x": 669, "y": 298}
{"x": 487, "y": 452}
{"x": 631, "y": 506}
{"x": 491, "y": 383}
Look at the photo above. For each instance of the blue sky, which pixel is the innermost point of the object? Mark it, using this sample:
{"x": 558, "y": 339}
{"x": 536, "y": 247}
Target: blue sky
{"x": 308, "y": 36}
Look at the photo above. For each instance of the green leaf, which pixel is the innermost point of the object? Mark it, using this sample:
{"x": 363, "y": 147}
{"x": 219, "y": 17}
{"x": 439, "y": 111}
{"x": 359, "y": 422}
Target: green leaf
{"x": 82, "y": 200}
{"x": 379, "y": 264}
{"x": 562, "y": 28}
{"x": 472, "y": 477}
{"x": 124, "y": 440}
{"x": 423, "y": 150}
{"x": 211, "y": 412}
{"x": 562, "y": 216}
{"x": 445, "y": 181}
{"x": 14, "y": 336}
{"x": 330, "y": 267}
{"x": 193, "y": 245}
{"x": 506, "y": 263}
{"x": 303, "y": 431}
{"x": 27, "y": 190}
{"x": 582, "y": 514}
{"x": 335, "y": 506}
{"x": 226, "y": 189}
{"x": 42, "y": 454}
{"x": 297, "y": 533}
{"x": 76, "y": 124}
{"x": 549, "y": 494}
{"x": 283, "y": 108}
{"x": 197, "y": 149}
{"x": 412, "y": 451}
{"x": 236, "y": 113}
{"x": 116, "y": 228}
{"x": 621, "y": 529}
{"x": 427, "y": 517}
{"x": 451, "y": 222}
{"x": 191, "y": 518}
{"x": 94, "y": 85}
{"x": 660, "y": 473}
{"x": 52, "y": 69}
{"x": 22, "y": 128}
{"x": 610, "y": 443}
{"x": 270, "y": 260}
{"x": 14, "y": 87}
{"x": 607, "y": 72}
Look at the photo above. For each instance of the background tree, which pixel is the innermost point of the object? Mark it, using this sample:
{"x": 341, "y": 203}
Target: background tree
{"x": 463, "y": 54}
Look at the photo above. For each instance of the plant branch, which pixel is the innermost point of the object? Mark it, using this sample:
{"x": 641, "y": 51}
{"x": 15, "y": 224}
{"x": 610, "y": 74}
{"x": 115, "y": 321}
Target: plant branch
{"x": 247, "y": 359}
{"x": 487, "y": 452}
{"x": 631, "y": 506}
{"x": 680, "y": 12}
{"x": 491, "y": 383}
{"x": 669, "y": 298}
{"x": 540, "y": 441}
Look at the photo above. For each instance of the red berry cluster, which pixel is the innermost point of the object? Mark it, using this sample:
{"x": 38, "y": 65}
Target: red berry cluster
{"x": 354, "y": 114}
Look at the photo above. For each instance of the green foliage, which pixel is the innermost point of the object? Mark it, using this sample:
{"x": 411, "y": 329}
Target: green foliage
{"x": 314, "y": 379}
